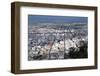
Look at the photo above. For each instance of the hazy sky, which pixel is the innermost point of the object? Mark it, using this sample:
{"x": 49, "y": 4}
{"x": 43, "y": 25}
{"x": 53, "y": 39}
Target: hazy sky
{"x": 55, "y": 19}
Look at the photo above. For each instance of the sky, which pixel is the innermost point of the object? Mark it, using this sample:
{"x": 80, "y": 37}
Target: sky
{"x": 55, "y": 19}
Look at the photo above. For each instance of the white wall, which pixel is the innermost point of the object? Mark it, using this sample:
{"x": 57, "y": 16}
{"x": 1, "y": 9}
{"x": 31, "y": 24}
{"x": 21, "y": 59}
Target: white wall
{"x": 5, "y": 42}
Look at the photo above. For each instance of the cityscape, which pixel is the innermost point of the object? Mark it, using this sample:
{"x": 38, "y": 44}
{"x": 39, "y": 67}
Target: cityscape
{"x": 50, "y": 38}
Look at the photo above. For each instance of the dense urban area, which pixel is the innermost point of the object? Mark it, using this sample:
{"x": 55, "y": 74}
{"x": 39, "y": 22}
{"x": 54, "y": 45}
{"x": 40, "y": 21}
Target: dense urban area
{"x": 52, "y": 41}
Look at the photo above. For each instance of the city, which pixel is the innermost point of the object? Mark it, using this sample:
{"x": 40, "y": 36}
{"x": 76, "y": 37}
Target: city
{"x": 52, "y": 41}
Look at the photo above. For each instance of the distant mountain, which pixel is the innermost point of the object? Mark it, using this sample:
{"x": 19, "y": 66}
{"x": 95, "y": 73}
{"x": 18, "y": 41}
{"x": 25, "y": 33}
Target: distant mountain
{"x": 56, "y": 19}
